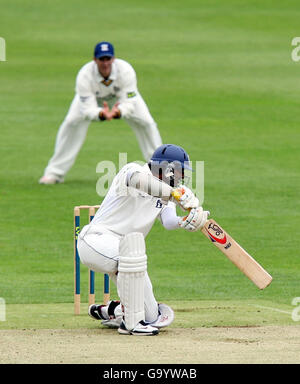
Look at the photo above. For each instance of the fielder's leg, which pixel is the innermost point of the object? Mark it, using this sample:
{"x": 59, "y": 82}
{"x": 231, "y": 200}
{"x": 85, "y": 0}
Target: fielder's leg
{"x": 145, "y": 128}
{"x": 130, "y": 284}
{"x": 69, "y": 140}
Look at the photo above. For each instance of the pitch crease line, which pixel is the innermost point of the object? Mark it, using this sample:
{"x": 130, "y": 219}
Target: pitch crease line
{"x": 273, "y": 309}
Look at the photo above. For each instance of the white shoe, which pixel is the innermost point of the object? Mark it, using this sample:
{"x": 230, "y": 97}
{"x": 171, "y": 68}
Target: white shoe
{"x": 165, "y": 316}
{"x": 112, "y": 323}
{"x": 141, "y": 329}
{"x": 50, "y": 180}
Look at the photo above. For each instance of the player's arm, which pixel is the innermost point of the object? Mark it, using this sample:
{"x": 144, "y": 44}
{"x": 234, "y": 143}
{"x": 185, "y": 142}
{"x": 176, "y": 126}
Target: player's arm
{"x": 155, "y": 187}
{"x": 126, "y": 96}
{"x": 88, "y": 103}
{"x": 169, "y": 218}
{"x": 147, "y": 183}
{"x": 194, "y": 221}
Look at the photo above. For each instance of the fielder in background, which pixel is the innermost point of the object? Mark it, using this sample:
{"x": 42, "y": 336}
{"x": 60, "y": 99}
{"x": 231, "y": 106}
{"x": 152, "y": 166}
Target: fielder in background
{"x": 106, "y": 89}
{"x": 114, "y": 241}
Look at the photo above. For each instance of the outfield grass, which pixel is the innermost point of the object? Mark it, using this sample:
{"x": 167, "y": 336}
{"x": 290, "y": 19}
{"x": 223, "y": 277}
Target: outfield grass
{"x": 219, "y": 80}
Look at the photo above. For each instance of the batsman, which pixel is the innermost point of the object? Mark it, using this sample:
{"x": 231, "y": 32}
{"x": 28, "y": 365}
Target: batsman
{"x": 114, "y": 241}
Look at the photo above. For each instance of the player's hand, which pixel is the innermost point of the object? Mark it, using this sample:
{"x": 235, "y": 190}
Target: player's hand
{"x": 185, "y": 198}
{"x": 115, "y": 111}
{"x": 195, "y": 220}
{"x": 105, "y": 113}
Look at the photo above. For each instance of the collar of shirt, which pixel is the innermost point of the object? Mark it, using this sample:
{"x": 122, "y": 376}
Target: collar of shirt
{"x": 112, "y": 76}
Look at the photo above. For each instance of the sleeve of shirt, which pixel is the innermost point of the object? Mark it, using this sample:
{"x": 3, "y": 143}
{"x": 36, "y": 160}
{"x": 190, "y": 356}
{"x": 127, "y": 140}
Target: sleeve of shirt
{"x": 88, "y": 103}
{"x": 168, "y": 216}
{"x": 123, "y": 177}
{"x": 128, "y": 92}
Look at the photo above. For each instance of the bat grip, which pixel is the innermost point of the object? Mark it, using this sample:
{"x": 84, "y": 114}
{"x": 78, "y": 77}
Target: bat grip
{"x": 177, "y": 193}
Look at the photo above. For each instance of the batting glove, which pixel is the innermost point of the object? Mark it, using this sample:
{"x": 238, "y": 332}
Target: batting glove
{"x": 195, "y": 220}
{"x": 185, "y": 198}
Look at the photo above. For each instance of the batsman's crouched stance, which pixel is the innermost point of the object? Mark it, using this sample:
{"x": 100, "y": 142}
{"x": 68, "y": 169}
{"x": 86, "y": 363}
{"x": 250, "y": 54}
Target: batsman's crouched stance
{"x": 114, "y": 242}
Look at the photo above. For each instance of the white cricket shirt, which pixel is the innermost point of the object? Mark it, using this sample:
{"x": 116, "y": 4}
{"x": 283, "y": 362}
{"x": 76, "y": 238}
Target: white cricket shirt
{"x": 93, "y": 89}
{"x": 126, "y": 209}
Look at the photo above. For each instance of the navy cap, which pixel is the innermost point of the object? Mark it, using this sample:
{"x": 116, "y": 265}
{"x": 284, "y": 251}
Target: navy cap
{"x": 104, "y": 49}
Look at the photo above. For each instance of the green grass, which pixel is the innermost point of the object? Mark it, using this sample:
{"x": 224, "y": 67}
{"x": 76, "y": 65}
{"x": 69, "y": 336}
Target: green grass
{"x": 188, "y": 314}
{"x": 218, "y": 79}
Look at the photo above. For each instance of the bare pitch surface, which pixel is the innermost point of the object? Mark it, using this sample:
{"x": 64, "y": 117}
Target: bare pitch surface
{"x": 260, "y": 345}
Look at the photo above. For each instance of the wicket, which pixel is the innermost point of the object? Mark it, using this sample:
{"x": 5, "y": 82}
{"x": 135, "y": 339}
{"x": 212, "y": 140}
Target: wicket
{"x": 92, "y": 210}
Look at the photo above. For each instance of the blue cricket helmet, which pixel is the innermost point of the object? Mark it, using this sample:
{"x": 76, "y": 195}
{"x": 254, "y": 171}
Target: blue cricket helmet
{"x": 171, "y": 153}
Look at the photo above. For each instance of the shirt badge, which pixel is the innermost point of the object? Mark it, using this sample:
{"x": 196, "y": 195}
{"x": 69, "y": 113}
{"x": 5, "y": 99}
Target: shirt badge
{"x": 131, "y": 94}
{"x": 106, "y": 82}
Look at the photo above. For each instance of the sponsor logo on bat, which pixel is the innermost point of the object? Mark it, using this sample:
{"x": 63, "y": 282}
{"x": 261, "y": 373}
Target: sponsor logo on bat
{"x": 217, "y": 232}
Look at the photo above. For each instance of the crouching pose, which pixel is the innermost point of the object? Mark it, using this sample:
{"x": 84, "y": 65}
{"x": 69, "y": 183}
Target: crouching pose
{"x": 114, "y": 241}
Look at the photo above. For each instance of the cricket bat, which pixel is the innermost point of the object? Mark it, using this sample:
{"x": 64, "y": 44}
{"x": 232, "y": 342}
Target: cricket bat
{"x": 235, "y": 253}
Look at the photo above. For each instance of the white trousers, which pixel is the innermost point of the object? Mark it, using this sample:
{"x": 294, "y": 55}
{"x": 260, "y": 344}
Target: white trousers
{"x": 100, "y": 253}
{"x": 73, "y": 130}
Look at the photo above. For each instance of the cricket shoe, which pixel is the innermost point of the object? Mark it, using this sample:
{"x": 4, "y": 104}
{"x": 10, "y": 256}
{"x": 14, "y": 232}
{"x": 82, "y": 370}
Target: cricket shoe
{"x": 110, "y": 315}
{"x": 48, "y": 180}
{"x": 141, "y": 329}
{"x": 165, "y": 316}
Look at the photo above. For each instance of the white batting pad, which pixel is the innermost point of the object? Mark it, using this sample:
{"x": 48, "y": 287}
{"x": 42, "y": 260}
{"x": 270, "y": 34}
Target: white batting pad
{"x": 131, "y": 276}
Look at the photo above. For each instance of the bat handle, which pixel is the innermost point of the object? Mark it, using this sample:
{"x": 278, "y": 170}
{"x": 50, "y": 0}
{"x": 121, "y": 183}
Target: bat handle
{"x": 177, "y": 193}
